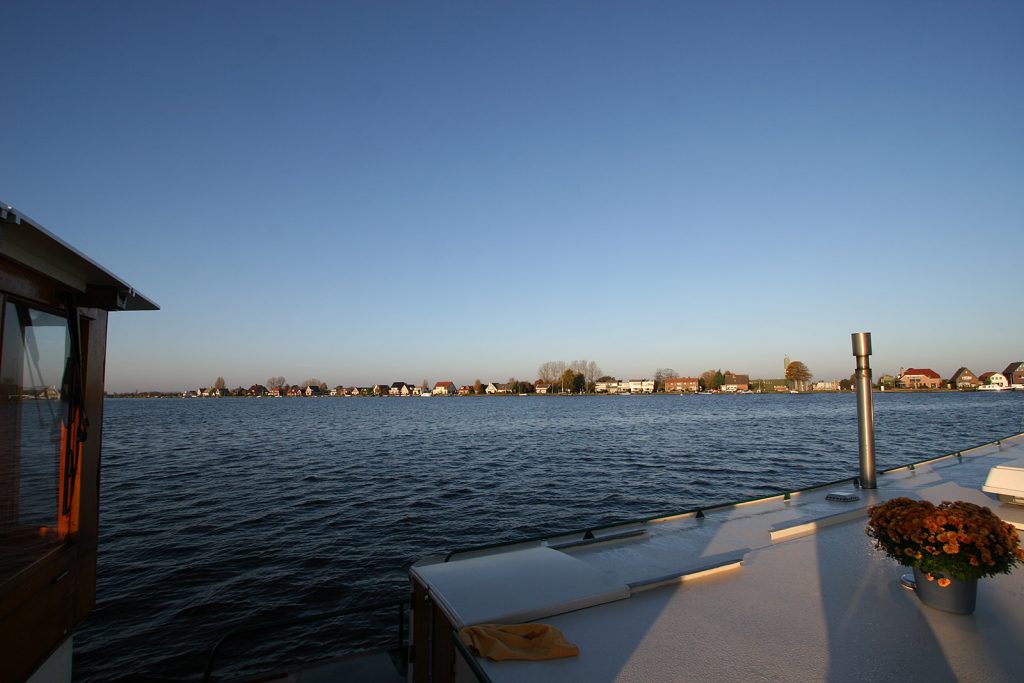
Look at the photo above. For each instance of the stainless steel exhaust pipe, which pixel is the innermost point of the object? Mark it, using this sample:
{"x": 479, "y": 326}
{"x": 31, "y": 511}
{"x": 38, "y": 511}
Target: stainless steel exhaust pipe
{"x": 865, "y": 410}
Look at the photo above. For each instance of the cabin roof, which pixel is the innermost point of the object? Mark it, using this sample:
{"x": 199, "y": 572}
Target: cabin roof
{"x": 25, "y": 241}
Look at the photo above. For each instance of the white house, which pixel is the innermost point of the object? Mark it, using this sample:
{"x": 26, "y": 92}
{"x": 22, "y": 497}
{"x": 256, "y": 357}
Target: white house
{"x": 994, "y": 379}
{"x": 498, "y": 388}
{"x": 641, "y": 386}
{"x": 444, "y": 389}
{"x": 400, "y": 389}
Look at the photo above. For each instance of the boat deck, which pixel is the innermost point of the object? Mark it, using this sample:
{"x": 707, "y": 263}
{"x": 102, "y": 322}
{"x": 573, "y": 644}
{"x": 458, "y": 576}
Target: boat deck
{"x": 775, "y": 589}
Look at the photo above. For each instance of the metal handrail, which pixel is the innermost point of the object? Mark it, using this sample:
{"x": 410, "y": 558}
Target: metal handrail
{"x": 699, "y": 511}
{"x": 295, "y": 621}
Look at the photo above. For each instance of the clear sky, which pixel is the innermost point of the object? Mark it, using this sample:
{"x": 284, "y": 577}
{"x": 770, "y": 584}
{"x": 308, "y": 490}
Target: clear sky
{"x": 381, "y": 191}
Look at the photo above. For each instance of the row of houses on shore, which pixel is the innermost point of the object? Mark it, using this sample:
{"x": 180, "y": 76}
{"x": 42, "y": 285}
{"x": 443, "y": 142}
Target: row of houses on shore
{"x": 908, "y": 378}
{"x": 444, "y": 388}
{"x": 963, "y": 378}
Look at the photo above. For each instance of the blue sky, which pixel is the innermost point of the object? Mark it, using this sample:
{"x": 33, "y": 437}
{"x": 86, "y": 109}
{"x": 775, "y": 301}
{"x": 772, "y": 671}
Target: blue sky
{"x": 369, "y": 192}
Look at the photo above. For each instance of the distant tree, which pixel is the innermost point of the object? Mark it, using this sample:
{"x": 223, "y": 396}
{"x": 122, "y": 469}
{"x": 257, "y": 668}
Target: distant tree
{"x": 605, "y": 378}
{"x": 551, "y": 371}
{"x": 219, "y": 383}
{"x": 545, "y": 371}
{"x": 662, "y": 374}
{"x": 311, "y": 382}
{"x": 323, "y": 387}
{"x": 478, "y": 387}
{"x": 706, "y": 380}
{"x": 579, "y": 383}
{"x": 798, "y": 374}
{"x": 718, "y": 380}
{"x": 588, "y": 368}
{"x": 425, "y": 385}
{"x": 520, "y": 386}
{"x": 845, "y": 384}
{"x": 566, "y": 379}
{"x": 339, "y": 390}
{"x": 240, "y": 391}
{"x": 277, "y": 382}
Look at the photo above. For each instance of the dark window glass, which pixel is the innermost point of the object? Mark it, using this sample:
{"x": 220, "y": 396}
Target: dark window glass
{"x": 36, "y": 349}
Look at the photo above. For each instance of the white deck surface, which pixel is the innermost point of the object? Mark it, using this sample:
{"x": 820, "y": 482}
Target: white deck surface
{"x": 543, "y": 582}
{"x": 817, "y": 603}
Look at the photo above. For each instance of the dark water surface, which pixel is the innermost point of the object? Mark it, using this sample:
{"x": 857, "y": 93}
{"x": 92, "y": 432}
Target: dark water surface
{"x": 216, "y": 511}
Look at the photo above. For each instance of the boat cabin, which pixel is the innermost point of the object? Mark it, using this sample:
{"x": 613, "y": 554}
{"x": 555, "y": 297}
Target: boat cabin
{"x": 53, "y": 333}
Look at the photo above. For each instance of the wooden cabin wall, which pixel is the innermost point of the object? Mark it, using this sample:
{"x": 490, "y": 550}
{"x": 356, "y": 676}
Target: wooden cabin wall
{"x": 42, "y": 604}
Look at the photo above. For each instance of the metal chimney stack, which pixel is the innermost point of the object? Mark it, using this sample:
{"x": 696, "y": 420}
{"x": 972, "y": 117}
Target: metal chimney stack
{"x": 865, "y": 410}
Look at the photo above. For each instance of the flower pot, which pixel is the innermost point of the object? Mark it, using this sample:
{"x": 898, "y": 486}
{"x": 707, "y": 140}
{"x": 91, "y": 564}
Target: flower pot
{"x": 958, "y": 597}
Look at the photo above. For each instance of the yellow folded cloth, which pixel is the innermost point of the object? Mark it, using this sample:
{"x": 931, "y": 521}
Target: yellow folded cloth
{"x": 517, "y": 641}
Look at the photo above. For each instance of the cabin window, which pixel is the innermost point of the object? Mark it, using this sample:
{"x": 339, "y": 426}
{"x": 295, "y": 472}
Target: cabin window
{"x": 34, "y": 360}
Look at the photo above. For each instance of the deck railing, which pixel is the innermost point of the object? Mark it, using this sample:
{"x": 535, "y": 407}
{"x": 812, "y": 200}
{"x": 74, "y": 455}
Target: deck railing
{"x": 588, "y": 533}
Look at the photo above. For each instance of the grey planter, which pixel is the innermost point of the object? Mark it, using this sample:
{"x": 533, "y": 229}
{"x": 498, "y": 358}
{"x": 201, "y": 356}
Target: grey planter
{"x": 959, "y": 597}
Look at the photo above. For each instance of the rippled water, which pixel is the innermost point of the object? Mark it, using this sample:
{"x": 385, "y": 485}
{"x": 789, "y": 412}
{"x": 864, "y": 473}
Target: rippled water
{"x": 214, "y": 512}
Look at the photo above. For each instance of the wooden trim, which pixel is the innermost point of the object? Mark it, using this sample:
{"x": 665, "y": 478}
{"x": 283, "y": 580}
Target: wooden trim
{"x": 421, "y": 609}
{"x": 442, "y": 649}
{"x": 29, "y": 285}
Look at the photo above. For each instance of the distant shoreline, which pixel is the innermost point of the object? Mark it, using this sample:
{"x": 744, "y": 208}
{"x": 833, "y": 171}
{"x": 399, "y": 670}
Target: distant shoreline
{"x": 177, "y": 394}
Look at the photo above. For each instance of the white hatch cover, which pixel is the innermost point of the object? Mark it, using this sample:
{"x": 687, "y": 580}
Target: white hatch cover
{"x": 1007, "y": 481}
{"x": 517, "y": 586}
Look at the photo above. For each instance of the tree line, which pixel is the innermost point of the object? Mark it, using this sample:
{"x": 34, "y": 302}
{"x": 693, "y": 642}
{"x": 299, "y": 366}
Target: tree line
{"x": 576, "y": 377}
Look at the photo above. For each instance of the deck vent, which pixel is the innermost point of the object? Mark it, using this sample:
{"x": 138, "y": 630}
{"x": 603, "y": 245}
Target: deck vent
{"x": 842, "y": 496}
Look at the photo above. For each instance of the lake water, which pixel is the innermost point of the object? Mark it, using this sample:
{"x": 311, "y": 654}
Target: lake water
{"x": 218, "y": 511}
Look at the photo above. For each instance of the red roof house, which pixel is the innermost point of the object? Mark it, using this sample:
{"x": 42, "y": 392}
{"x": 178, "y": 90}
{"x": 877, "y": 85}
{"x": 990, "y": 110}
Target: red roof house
{"x": 919, "y": 378}
{"x": 444, "y": 388}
